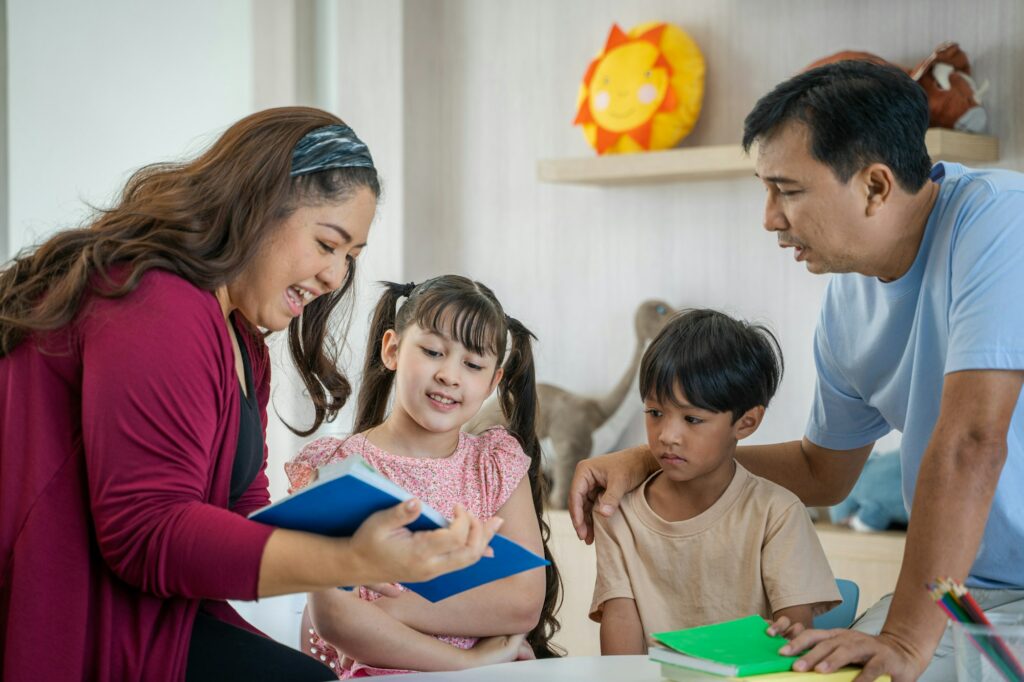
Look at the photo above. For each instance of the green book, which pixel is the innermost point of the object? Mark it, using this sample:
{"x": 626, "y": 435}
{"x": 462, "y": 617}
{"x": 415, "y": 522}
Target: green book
{"x": 737, "y": 647}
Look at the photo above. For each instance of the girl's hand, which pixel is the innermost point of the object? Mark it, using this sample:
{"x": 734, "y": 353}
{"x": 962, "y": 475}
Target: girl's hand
{"x": 499, "y": 649}
{"x": 390, "y": 552}
{"x": 386, "y": 589}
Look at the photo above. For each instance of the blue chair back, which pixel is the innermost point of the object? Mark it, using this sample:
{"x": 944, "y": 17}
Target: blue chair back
{"x": 841, "y": 616}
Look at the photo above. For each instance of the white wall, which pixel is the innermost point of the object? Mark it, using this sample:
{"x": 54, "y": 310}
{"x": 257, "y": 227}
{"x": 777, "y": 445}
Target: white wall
{"x": 369, "y": 95}
{"x": 574, "y": 261}
{"x": 98, "y": 89}
{"x": 4, "y": 230}
{"x": 458, "y": 100}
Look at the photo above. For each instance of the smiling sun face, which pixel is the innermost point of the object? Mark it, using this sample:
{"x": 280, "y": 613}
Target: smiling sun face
{"x": 628, "y": 86}
{"x": 643, "y": 92}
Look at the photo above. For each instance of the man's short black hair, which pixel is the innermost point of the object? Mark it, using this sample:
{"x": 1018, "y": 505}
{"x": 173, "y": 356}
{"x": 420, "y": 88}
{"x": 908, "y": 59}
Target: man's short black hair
{"x": 721, "y": 364}
{"x": 858, "y": 113}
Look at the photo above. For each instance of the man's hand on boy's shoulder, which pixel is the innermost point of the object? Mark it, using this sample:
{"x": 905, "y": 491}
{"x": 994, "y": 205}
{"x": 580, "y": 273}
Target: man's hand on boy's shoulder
{"x": 601, "y": 482}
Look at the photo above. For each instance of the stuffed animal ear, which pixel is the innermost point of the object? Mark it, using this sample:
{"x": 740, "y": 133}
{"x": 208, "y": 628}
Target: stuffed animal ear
{"x": 952, "y": 98}
{"x": 947, "y": 52}
{"x": 950, "y": 53}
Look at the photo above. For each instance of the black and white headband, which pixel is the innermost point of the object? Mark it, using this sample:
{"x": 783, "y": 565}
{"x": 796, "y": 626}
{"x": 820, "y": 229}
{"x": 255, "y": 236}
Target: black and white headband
{"x": 327, "y": 148}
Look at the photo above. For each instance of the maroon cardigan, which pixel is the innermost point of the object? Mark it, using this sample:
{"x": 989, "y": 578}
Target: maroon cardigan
{"x": 117, "y": 438}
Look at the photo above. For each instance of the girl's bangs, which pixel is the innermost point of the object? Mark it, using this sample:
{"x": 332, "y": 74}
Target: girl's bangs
{"x": 469, "y": 320}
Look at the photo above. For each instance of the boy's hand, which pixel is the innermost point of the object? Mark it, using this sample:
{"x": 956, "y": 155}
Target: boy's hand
{"x": 792, "y": 620}
{"x": 783, "y": 626}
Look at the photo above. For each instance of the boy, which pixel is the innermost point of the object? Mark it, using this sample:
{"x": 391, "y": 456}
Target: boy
{"x": 703, "y": 540}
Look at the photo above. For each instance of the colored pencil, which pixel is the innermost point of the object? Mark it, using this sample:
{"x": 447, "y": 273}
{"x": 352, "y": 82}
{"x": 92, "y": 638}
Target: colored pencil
{"x": 977, "y": 615}
{"x": 959, "y": 606}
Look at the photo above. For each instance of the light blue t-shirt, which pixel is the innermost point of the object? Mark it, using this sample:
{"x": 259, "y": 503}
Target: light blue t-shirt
{"x": 882, "y": 349}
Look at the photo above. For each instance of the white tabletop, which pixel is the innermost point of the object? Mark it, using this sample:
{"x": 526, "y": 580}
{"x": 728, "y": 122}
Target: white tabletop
{"x": 568, "y": 669}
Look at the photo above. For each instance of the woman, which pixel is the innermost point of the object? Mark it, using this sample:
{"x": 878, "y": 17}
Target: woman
{"x": 133, "y": 389}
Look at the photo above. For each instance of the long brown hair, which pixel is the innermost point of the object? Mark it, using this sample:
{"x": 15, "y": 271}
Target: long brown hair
{"x": 203, "y": 220}
{"x": 468, "y": 312}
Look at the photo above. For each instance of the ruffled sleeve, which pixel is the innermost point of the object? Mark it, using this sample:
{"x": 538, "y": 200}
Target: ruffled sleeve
{"x": 502, "y": 466}
{"x": 301, "y": 469}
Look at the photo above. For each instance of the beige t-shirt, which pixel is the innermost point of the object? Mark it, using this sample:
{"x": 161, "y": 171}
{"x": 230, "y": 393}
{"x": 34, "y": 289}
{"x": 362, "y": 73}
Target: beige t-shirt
{"x": 753, "y": 551}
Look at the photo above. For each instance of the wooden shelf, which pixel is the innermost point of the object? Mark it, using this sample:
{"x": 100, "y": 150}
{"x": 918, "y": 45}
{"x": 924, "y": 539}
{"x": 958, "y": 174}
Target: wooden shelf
{"x": 728, "y": 161}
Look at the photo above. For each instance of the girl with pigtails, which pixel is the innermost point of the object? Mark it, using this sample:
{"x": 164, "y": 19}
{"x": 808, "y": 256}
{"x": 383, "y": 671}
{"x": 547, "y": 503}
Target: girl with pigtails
{"x": 441, "y": 354}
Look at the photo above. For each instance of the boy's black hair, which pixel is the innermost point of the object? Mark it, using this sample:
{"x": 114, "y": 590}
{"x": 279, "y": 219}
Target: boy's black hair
{"x": 858, "y": 113}
{"x": 721, "y": 364}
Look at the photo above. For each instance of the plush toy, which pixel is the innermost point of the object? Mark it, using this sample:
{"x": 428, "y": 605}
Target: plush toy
{"x": 876, "y": 501}
{"x": 954, "y": 100}
{"x": 643, "y": 92}
{"x": 575, "y": 426}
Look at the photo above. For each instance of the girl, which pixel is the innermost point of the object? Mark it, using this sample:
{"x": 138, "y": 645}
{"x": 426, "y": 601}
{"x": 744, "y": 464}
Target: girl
{"x": 443, "y": 352}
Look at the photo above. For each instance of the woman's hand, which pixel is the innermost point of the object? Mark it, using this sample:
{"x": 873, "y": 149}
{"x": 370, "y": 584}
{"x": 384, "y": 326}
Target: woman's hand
{"x": 601, "y": 482}
{"x": 382, "y": 550}
{"x": 391, "y": 552}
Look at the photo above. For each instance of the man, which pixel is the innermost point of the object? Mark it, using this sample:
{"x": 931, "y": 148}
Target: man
{"x": 921, "y": 330}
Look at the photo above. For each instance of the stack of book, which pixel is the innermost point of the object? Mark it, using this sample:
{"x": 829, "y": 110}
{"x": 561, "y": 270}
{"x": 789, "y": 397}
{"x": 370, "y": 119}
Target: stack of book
{"x": 733, "y": 650}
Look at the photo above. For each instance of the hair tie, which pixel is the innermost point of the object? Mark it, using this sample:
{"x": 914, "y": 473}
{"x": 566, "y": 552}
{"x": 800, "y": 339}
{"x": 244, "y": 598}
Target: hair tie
{"x": 517, "y": 328}
{"x": 406, "y": 289}
{"x": 328, "y": 148}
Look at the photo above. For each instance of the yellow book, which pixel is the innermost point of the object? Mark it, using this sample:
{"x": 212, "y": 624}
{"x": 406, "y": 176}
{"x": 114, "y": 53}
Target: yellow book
{"x": 680, "y": 674}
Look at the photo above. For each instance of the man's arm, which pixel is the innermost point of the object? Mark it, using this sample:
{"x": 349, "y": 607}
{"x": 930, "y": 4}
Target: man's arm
{"x": 621, "y": 629}
{"x": 820, "y": 477}
{"x": 955, "y": 485}
{"x": 817, "y": 475}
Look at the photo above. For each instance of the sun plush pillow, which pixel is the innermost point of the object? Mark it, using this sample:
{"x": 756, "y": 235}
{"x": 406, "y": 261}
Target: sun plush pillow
{"x": 643, "y": 92}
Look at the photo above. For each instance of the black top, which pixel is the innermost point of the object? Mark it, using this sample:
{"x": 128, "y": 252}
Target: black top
{"x": 249, "y": 455}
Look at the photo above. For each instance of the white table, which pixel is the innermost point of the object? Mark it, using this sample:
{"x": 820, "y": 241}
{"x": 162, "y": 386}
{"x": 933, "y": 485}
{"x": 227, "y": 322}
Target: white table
{"x": 568, "y": 669}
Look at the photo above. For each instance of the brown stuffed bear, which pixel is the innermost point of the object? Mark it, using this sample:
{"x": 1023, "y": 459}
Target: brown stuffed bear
{"x": 954, "y": 101}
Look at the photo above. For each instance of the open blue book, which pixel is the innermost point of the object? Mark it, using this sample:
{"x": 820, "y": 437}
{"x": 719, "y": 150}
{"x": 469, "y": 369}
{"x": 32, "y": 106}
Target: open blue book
{"x": 349, "y": 490}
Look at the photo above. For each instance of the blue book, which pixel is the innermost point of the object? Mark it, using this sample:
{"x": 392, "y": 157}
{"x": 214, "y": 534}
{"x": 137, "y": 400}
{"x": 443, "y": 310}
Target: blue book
{"x": 349, "y": 490}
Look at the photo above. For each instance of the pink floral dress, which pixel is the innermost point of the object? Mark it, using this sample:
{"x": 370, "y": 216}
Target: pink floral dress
{"x": 481, "y": 475}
